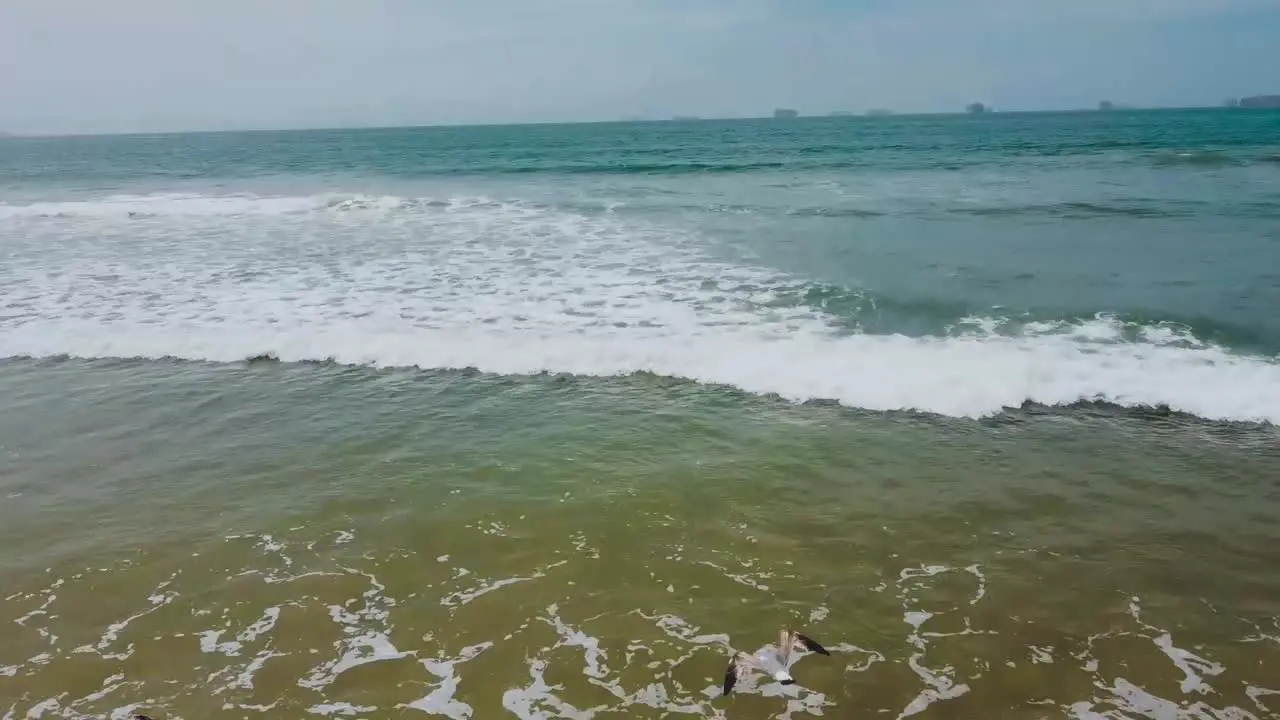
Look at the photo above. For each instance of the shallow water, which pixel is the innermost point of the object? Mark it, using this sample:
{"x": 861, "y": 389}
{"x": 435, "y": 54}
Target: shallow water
{"x": 231, "y": 543}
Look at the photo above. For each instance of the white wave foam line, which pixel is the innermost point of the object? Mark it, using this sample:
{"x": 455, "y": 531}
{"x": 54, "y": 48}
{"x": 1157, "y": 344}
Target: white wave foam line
{"x": 462, "y": 597}
{"x": 125, "y": 206}
{"x": 515, "y": 289}
{"x": 960, "y": 377}
{"x": 193, "y": 204}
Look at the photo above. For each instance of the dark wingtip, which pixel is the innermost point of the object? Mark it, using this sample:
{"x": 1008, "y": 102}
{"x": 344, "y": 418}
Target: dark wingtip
{"x": 140, "y": 717}
{"x": 730, "y": 677}
{"x": 811, "y": 645}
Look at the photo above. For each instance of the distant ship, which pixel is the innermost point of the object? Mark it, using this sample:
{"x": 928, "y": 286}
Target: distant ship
{"x": 976, "y": 108}
{"x": 785, "y": 113}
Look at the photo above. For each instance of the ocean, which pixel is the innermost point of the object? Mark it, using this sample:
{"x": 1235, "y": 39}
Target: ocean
{"x": 547, "y": 421}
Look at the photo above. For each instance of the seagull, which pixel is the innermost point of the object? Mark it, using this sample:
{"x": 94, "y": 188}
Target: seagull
{"x": 770, "y": 660}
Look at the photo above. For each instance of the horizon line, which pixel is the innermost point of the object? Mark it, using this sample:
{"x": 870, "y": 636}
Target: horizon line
{"x": 842, "y": 115}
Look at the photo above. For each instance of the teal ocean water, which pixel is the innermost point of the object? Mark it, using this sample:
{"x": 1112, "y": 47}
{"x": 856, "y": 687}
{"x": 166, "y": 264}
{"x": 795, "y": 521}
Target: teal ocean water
{"x": 544, "y": 421}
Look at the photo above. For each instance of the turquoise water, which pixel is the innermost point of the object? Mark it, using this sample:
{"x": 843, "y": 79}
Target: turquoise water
{"x": 542, "y": 421}
{"x": 1156, "y": 228}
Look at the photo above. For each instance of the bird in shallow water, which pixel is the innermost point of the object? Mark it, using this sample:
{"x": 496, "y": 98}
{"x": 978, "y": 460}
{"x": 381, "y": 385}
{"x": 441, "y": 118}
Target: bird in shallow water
{"x": 772, "y": 661}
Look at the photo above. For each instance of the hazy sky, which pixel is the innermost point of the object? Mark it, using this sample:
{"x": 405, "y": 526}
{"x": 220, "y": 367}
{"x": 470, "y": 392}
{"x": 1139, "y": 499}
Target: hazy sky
{"x": 126, "y": 65}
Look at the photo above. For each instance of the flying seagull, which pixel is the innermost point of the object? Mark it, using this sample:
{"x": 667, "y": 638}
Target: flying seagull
{"x": 770, "y": 660}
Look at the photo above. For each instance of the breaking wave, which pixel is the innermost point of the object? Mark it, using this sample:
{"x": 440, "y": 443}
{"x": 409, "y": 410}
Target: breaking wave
{"x": 512, "y": 288}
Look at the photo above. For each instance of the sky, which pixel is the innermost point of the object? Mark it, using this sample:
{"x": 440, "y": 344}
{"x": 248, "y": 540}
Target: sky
{"x": 87, "y": 66}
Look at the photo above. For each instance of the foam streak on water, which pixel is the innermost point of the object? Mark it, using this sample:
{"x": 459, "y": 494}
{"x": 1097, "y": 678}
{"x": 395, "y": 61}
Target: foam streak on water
{"x": 517, "y": 288}
{"x": 663, "y": 672}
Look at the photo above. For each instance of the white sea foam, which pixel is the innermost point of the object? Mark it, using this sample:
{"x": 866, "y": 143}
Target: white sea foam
{"x": 514, "y": 288}
{"x": 342, "y": 708}
{"x": 441, "y": 700}
{"x": 189, "y": 204}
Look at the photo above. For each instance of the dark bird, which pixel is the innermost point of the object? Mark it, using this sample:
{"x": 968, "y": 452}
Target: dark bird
{"x": 772, "y": 661}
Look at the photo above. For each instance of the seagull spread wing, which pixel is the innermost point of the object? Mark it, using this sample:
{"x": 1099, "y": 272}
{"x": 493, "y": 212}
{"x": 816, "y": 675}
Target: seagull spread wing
{"x": 808, "y": 644}
{"x": 738, "y": 665}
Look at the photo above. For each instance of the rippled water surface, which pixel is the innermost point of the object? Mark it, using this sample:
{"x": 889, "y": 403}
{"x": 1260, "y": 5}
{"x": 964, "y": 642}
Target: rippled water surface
{"x": 309, "y": 539}
{"x": 546, "y": 422}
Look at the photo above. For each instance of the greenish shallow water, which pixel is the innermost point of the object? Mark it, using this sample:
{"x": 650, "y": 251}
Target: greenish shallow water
{"x": 292, "y": 540}
{"x": 544, "y": 421}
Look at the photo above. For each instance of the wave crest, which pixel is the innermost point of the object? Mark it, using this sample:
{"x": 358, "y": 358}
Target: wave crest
{"x": 160, "y": 205}
{"x": 972, "y": 376}
{"x": 518, "y": 288}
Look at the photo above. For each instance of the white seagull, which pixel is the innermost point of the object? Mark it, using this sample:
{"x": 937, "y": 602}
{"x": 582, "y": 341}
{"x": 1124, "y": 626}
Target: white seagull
{"x": 770, "y": 660}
